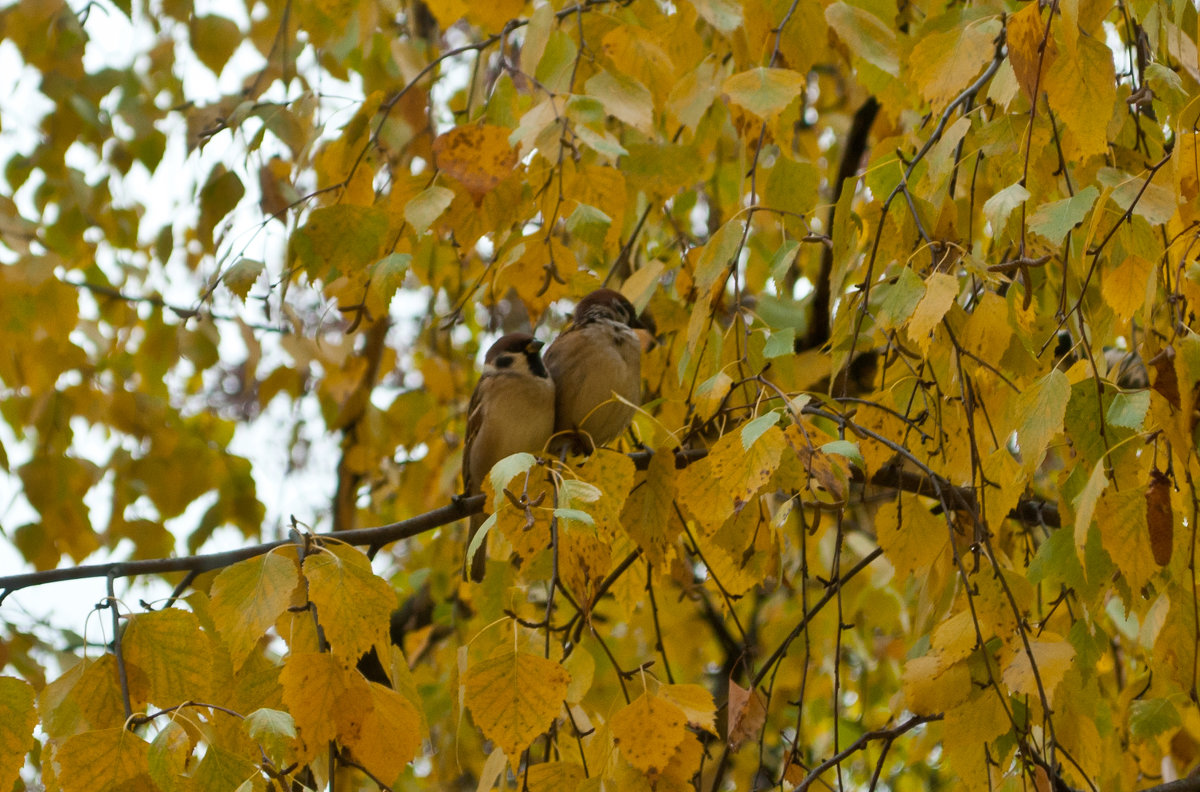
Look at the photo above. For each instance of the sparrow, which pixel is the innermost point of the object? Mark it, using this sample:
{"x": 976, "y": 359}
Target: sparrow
{"x": 511, "y": 410}
{"x": 597, "y": 358}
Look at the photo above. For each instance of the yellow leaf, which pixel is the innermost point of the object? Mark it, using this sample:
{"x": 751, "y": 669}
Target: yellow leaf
{"x": 478, "y": 155}
{"x": 633, "y": 50}
{"x": 701, "y": 494}
{"x": 88, "y": 696}
{"x": 1082, "y": 90}
{"x": 494, "y": 15}
{"x": 1024, "y": 36}
{"x": 390, "y": 734}
{"x": 944, "y": 63}
{"x": 695, "y": 702}
{"x": 314, "y": 689}
{"x": 536, "y": 270}
{"x": 168, "y": 757}
{"x": 555, "y": 776}
{"x": 743, "y": 472}
{"x": 514, "y": 697}
{"x": 447, "y": 12}
{"x": 911, "y": 537}
{"x": 764, "y": 92}
{"x": 647, "y": 731}
{"x": 931, "y": 686}
{"x": 582, "y": 668}
{"x": 987, "y": 331}
{"x": 173, "y": 653}
{"x": 648, "y": 516}
{"x": 1125, "y": 534}
{"x": 1053, "y": 657}
{"x": 719, "y": 254}
{"x": 97, "y": 761}
{"x": 1125, "y": 287}
{"x": 955, "y": 638}
{"x": 17, "y": 719}
{"x": 353, "y": 604}
{"x": 527, "y": 528}
{"x": 940, "y": 290}
{"x": 710, "y": 394}
{"x": 743, "y": 552}
{"x": 967, "y": 730}
{"x": 248, "y": 597}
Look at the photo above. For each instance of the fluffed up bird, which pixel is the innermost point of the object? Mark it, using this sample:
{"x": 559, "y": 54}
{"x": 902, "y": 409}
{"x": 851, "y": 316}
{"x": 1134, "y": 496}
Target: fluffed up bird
{"x": 511, "y": 410}
{"x": 595, "y": 360}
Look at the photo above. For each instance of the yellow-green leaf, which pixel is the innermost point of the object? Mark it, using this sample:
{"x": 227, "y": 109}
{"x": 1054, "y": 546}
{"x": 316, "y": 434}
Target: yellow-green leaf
{"x": 248, "y": 597}
{"x": 764, "y": 92}
{"x": 624, "y": 98}
{"x": 173, "y": 653}
{"x": 865, "y": 34}
{"x": 98, "y": 761}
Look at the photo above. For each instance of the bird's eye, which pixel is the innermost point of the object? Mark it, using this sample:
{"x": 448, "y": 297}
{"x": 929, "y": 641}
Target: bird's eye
{"x": 503, "y": 361}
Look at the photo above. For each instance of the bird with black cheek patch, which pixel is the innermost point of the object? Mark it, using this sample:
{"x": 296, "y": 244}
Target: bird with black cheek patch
{"x": 595, "y": 360}
{"x": 511, "y": 410}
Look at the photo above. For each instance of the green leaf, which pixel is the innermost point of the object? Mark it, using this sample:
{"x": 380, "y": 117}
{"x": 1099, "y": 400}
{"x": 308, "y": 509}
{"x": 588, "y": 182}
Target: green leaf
{"x": 792, "y": 186}
{"x": 509, "y": 468}
{"x": 900, "y": 299}
{"x": 574, "y": 515}
{"x": 1055, "y": 220}
{"x": 845, "y": 448}
{"x": 1129, "y": 409}
{"x": 1151, "y": 717}
{"x": 338, "y": 240}
{"x": 755, "y": 429}
{"x": 555, "y": 68}
{"x": 780, "y": 343}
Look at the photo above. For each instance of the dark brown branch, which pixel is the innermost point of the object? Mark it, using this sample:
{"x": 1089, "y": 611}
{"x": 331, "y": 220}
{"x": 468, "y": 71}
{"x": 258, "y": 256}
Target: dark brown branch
{"x": 1029, "y": 511}
{"x": 381, "y": 535}
{"x": 852, "y": 154}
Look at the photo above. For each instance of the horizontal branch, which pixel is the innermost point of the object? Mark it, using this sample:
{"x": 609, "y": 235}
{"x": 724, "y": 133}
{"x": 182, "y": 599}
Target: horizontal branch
{"x": 378, "y": 536}
{"x": 1027, "y": 511}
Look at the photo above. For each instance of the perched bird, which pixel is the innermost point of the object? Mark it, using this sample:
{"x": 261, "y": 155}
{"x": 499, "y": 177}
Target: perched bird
{"x": 511, "y": 410}
{"x": 597, "y": 356}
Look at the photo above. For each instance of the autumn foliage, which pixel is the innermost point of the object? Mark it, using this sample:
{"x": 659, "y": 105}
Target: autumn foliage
{"x": 910, "y": 502}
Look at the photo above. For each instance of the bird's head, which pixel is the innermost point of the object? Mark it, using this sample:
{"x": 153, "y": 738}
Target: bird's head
{"x": 515, "y": 352}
